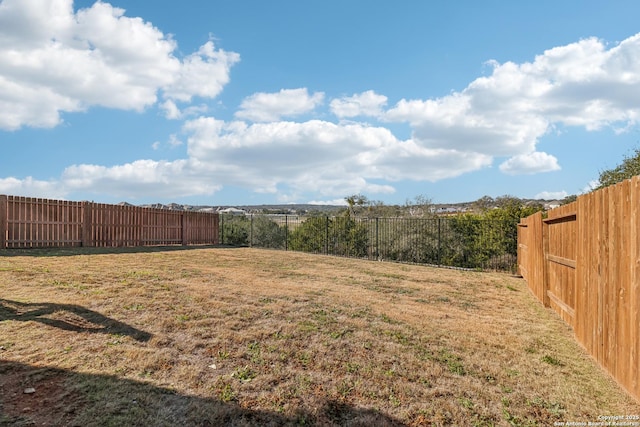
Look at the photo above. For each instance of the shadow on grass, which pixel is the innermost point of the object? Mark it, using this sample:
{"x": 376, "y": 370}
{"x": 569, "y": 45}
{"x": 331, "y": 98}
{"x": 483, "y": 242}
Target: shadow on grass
{"x": 83, "y": 250}
{"x": 60, "y": 398}
{"x": 68, "y": 317}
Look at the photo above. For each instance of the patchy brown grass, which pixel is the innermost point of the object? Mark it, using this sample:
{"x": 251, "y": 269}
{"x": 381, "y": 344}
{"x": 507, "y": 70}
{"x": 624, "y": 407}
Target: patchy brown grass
{"x": 257, "y": 337}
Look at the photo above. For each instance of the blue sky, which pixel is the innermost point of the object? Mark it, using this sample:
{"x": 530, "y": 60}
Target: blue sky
{"x": 255, "y": 102}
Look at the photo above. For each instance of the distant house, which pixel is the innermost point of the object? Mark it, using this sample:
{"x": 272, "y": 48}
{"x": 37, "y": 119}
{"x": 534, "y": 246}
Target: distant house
{"x": 450, "y": 210}
{"x": 232, "y": 211}
{"x": 552, "y": 205}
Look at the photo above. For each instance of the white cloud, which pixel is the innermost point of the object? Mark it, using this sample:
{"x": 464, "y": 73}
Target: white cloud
{"x": 171, "y": 110}
{"x": 202, "y": 74}
{"x": 592, "y": 185}
{"x": 174, "y": 141}
{"x": 270, "y": 107}
{"x": 551, "y": 195}
{"x": 334, "y": 202}
{"x": 463, "y": 122}
{"x": 287, "y": 159}
{"x": 118, "y": 62}
{"x": 148, "y": 178}
{"x": 528, "y": 164}
{"x": 366, "y": 103}
{"x": 30, "y": 187}
{"x": 318, "y": 156}
{"x": 506, "y": 113}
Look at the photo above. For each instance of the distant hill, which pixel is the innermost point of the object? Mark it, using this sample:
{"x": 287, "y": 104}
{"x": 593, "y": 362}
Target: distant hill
{"x": 272, "y": 209}
{"x": 302, "y": 209}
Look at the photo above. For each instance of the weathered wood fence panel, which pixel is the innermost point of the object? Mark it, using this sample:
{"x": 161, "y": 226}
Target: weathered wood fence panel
{"x": 200, "y": 227}
{"x": 39, "y": 223}
{"x": 32, "y": 222}
{"x": 583, "y": 261}
{"x": 131, "y": 226}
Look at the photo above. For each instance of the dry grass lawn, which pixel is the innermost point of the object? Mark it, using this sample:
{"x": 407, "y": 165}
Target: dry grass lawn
{"x": 216, "y": 336}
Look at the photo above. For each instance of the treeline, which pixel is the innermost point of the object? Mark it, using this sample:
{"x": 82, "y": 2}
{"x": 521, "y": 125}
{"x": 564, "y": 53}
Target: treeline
{"x": 485, "y": 238}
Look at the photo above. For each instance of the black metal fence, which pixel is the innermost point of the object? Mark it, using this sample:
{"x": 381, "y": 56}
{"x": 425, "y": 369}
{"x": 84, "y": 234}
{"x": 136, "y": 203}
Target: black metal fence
{"x": 463, "y": 241}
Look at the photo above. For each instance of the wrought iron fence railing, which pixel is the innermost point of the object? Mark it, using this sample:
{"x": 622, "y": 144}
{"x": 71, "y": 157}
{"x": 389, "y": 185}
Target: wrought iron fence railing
{"x": 464, "y": 241}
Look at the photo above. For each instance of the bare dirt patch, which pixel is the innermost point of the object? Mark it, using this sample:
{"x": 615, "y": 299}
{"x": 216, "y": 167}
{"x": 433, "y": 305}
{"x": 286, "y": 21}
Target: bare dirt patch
{"x": 258, "y": 337}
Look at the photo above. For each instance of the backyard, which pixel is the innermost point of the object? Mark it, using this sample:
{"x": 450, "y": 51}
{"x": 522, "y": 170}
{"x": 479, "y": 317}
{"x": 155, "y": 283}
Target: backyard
{"x": 221, "y": 336}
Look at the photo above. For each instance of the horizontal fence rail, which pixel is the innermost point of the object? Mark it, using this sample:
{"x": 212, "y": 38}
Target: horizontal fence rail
{"x": 455, "y": 242}
{"x": 583, "y": 262}
{"x": 42, "y": 223}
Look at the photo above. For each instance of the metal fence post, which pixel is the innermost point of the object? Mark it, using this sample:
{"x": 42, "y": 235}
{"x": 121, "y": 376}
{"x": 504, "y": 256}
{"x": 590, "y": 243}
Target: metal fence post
{"x": 326, "y": 235}
{"x": 377, "y": 240}
{"x": 439, "y": 242}
{"x": 221, "y": 228}
{"x": 286, "y": 232}
{"x": 251, "y": 231}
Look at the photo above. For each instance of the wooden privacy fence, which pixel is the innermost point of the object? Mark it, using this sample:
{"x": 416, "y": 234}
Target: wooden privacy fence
{"x": 39, "y": 223}
{"x": 583, "y": 261}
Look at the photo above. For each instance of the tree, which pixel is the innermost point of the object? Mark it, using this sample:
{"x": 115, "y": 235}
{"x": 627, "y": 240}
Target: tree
{"x": 355, "y": 203}
{"x": 267, "y": 233}
{"x": 629, "y": 168}
{"x": 488, "y": 239}
{"x": 377, "y": 209}
{"x": 483, "y": 204}
{"x": 343, "y": 236}
{"x": 477, "y": 240}
{"x": 311, "y": 235}
{"x": 420, "y": 207}
{"x": 234, "y": 230}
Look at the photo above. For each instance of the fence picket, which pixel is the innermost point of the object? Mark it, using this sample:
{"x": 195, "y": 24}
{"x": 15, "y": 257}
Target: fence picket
{"x": 634, "y": 285}
{"x": 623, "y": 313}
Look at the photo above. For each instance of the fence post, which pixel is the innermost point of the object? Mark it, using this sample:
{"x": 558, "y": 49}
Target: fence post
{"x": 326, "y": 235}
{"x": 251, "y": 232}
{"x": 3, "y": 221}
{"x": 221, "y": 228}
{"x": 545, "y": 264}
{"x": 87, "y": 225}
{"x": 377, "y": 240}
{"x": 439, "y": 242}
{"x": 215, "y": 238}
{"x": 286, "y": 232}
{"x": 184, "y": 224}
{"x": 519, "y": 230}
